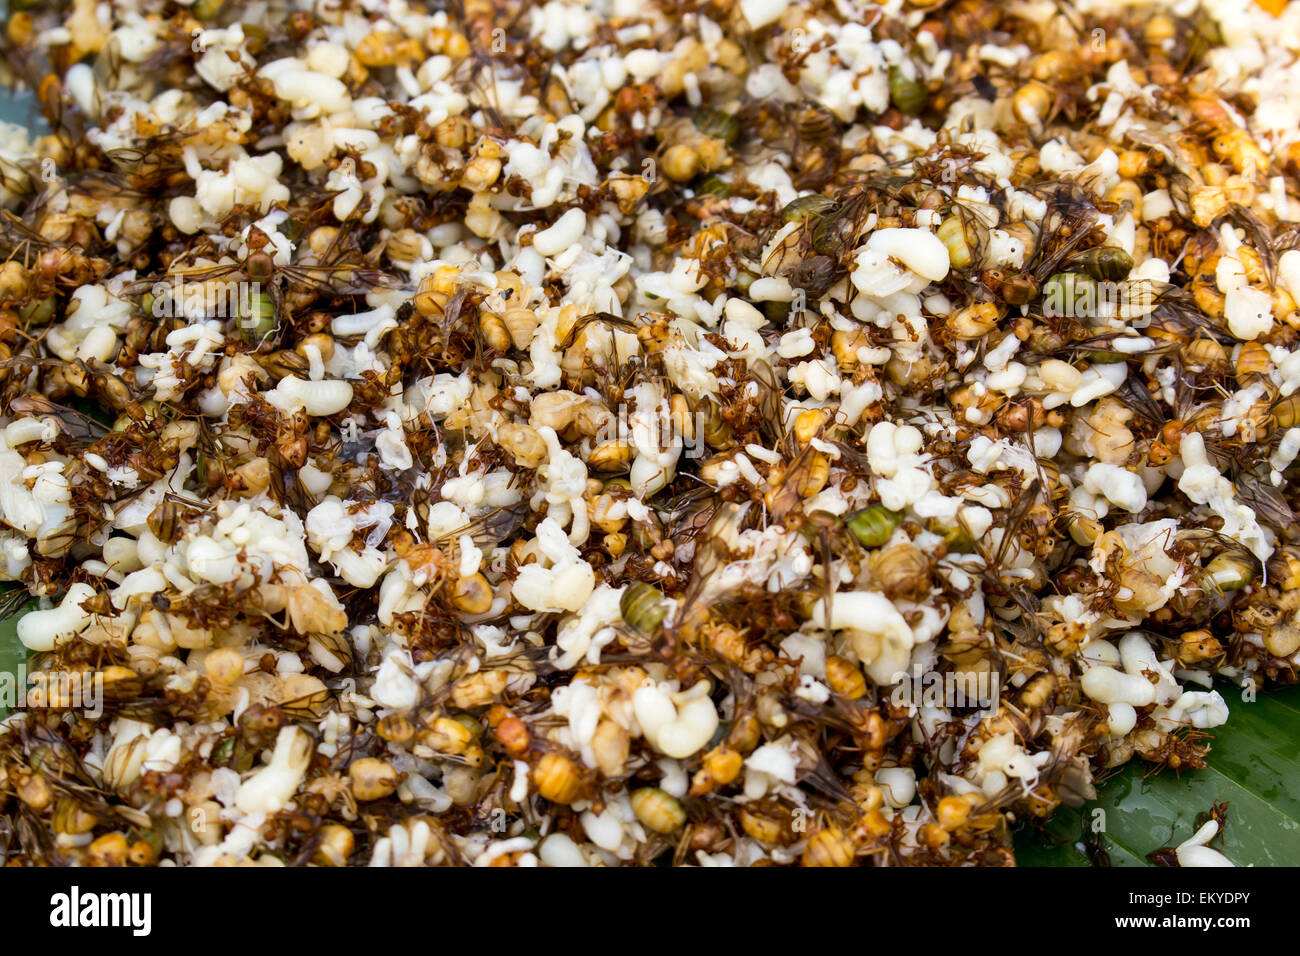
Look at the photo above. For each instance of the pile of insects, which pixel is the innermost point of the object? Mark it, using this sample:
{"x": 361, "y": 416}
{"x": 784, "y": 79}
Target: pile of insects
{"x": 725, "y": 433}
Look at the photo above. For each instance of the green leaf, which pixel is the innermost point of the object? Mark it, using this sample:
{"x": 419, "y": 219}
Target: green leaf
{"x": 1254, "y": 767}
{"x": 12, "y": 652}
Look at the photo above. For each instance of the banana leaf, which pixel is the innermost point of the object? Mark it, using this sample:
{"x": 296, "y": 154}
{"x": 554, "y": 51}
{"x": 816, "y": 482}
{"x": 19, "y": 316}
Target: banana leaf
{"x": 1254, "y": 767}
{"x": 12, "y": 653}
